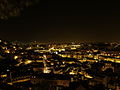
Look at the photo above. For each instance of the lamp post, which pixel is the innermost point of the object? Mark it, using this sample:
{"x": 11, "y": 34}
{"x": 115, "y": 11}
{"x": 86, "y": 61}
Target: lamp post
{"x": 10, "y": 73}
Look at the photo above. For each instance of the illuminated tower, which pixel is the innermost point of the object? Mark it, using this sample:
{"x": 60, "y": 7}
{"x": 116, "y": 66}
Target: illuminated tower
{"x": 45, "y": 70}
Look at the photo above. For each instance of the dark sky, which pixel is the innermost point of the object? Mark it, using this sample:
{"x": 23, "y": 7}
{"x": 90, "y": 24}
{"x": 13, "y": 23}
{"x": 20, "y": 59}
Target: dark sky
{"x": 65, "y": 21}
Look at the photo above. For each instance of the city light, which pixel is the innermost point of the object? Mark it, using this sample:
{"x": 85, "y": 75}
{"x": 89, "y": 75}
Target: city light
{"x": 28, "y": 62}
{"x": 76, "y": 64}
{"x": 5, "y": 75}
{"x": 7, "y": 51}
{"x": 15, "y": 57}
{"x": 59, "y": 45}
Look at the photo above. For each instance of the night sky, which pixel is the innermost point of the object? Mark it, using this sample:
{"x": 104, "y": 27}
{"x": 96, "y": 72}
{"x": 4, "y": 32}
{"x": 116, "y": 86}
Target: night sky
{"x": 56, "y": 21}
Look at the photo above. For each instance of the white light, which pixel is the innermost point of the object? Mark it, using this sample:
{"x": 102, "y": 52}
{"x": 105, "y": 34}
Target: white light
{"x": 56, "y": 52}
{"x": 8, "y": 70}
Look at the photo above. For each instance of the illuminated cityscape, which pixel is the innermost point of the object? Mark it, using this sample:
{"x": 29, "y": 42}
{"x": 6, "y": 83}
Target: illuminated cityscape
{"x": 59, "y": 45}
{"x": 59, "y": 66}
